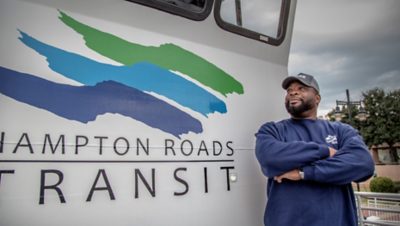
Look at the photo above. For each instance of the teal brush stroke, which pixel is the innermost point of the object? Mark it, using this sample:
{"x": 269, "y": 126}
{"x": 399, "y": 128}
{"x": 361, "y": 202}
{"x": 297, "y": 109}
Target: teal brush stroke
{"x": 143, "y": 76}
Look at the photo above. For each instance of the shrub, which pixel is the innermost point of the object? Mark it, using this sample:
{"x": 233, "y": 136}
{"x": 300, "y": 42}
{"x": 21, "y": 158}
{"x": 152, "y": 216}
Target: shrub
{"x": 382, "y": 184}
{"x": 397, "y": 186}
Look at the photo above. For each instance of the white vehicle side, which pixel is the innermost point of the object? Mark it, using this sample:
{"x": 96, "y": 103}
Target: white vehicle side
{"x": 122, "y": 165}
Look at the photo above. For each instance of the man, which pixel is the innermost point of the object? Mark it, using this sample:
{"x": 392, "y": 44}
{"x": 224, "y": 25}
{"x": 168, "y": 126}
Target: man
{"x": 310, "y": 163}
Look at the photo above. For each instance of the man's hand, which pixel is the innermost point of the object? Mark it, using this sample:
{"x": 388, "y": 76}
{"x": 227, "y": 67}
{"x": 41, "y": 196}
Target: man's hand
{"x": 291, "y": 175}
{"x": 332, "y": 151}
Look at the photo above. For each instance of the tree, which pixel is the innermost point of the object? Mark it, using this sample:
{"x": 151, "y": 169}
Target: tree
{"x": 383, "y": 123}
{"x": 345, "y": 116}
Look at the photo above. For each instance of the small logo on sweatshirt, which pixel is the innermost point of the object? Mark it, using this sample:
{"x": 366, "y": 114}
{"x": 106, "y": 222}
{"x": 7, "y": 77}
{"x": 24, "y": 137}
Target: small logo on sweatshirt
{"x": 331, "y": 139}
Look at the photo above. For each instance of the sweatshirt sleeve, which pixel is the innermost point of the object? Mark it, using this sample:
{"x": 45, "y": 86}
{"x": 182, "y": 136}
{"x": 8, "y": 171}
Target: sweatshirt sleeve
{"x": 352, "y": 162}
{"x": 277, "y": 156}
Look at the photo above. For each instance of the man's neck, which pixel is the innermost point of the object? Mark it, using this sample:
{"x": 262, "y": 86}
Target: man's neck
{"x": 300, "y": 118}
{"x": 311, "y": 114}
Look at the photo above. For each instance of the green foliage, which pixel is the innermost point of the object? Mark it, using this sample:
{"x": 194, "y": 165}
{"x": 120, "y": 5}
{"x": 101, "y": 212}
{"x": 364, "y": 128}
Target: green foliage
{"x": 382, "y": 184}
{"x": 383, "y": 123}
{"x": 397, "y": 186}
{"x": 382, "y": 111}
{"x": 345, "y": 116}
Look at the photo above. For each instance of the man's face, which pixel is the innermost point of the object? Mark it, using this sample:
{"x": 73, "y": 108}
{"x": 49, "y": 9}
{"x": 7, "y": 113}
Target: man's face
{"x": 301, "y": 101}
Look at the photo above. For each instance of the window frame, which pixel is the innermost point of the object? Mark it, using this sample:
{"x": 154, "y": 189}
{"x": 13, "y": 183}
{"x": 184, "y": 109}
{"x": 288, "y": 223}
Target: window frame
{"x": 282, "y": 26}
{"x": 176, "y": 10}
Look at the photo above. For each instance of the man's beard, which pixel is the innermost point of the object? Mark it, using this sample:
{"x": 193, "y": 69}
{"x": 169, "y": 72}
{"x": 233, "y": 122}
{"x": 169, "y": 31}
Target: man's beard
{"x": 297, "y": 111}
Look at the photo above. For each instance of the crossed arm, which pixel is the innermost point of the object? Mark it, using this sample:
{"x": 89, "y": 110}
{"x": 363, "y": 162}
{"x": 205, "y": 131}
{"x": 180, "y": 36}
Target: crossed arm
{"x": 282, "y": 160}
{"x": 295, "y": 173}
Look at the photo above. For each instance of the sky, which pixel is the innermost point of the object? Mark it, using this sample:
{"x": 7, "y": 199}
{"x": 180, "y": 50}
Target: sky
{"x": 346, "y": 44}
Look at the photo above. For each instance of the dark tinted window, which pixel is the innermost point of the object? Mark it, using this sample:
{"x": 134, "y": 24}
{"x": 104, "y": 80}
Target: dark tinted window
{"x": 263, "y": 20}
{"x": 192, "y": 9}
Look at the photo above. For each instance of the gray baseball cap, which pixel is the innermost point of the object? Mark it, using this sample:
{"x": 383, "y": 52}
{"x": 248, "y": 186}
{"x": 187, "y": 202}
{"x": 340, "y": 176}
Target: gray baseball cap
{"x": 305, "y": 79}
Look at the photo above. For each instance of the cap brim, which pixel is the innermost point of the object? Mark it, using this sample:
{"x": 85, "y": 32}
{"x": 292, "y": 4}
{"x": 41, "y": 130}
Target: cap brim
{"x": 289, "y": 80}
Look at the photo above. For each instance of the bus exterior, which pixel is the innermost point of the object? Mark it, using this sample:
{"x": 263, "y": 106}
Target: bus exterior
{"x": 139, "y": 112}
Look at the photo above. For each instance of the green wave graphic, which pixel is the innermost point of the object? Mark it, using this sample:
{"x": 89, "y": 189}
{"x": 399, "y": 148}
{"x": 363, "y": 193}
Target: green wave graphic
{"x": 169, "y": 56}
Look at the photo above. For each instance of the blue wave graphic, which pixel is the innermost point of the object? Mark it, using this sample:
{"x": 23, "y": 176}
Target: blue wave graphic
{"x": 143, "y": 76}
{"x": 85, "y": 103}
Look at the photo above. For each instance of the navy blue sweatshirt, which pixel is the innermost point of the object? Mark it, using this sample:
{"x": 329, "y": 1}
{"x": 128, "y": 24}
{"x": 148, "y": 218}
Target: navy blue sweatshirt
{"x": 325, "y": 196}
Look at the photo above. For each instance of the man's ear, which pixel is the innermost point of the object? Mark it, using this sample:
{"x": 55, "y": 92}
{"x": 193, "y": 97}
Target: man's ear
{"x": 318, "y": 99}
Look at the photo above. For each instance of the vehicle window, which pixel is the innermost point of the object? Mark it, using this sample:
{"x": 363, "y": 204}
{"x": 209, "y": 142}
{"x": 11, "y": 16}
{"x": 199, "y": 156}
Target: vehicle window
{"x": 192, "y": 9}
{"x": 263, "y": 20}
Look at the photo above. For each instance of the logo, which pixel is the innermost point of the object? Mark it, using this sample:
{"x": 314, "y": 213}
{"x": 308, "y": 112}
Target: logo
{"x": 331, "y": 139}
{"x": 148, "y": 83}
